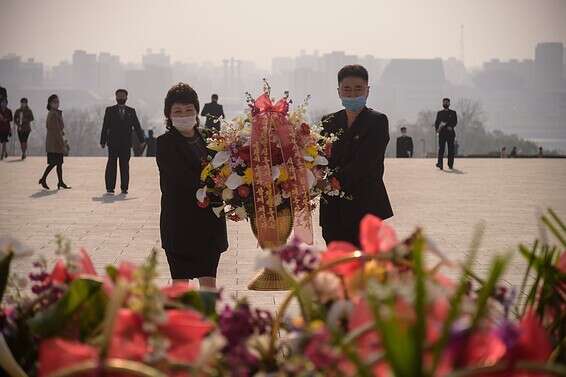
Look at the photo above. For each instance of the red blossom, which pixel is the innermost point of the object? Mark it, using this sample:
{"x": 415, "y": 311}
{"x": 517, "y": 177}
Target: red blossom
{"x": 376, "y": 236}
{"x": 204, "y": 203}
{"x": 337, "y": 250}
{"x": 244, "y": 191}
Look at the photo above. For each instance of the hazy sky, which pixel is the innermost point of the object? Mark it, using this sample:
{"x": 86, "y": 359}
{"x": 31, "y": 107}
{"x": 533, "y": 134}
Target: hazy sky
{"x": 207, "y": 30}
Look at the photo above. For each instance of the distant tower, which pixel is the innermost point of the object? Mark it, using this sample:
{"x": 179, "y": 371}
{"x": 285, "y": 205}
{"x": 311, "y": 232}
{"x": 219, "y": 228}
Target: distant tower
{"x": 462, "y": 44}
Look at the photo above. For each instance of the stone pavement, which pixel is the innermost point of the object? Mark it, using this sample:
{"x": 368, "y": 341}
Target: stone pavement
{"x": 505, "y": 194}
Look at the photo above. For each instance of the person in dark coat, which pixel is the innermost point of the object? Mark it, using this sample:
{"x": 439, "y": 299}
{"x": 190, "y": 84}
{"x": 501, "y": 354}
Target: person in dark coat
{"x": 356, "y": 159}
{"x": 151, "y": 143}
{"x": 446, "y": 121}
{"x": 3, "y": 93}
{"x": 404, "y": 145}
{"x": 192, "y": 236}
{"x": 119, "y": 121}
{"x": 212, "y": 111}
{"x": 54, "y": 142}
{"x": 5, "y": 126}
{"x": 23, "y": 118}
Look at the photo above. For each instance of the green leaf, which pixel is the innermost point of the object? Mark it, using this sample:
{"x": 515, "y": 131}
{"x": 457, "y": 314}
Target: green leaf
{"x": 4, "y": 272}
{"x": 201, "y": 301}
{"x": 419, "y": 329}
{"x": 112, "y": 272}
{"x": 82, "y": 293}
{"x": 396, "y": 339}
{"x": 496, "y": 270}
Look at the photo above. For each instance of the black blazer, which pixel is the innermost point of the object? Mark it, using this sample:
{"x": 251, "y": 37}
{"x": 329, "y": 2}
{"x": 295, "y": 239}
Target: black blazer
{"x": 117, "y": 130}
{"x": 447, "y": 116}
{"x": 404, "y": 146}
{"x": 212, "y": 111}
{"x": 185, "y": 227}
{"x": 357, "y": 156}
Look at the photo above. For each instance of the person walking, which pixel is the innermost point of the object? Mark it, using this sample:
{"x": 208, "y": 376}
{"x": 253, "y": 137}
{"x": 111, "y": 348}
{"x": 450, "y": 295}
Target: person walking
{"x": 119, "y": 122}
{"x": 54, "y": 143}
{"x": 23, "y": 118}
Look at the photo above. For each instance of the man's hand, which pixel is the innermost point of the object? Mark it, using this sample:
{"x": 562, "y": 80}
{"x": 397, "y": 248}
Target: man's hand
{"x": 102, "y": 145}
{"x": 449, "y": 128}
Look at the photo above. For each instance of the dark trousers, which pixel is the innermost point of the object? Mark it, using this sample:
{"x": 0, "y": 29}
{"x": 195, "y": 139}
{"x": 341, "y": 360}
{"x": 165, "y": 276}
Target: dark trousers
{"x": 123, "y": 155}
{"x": 443, "y": 139}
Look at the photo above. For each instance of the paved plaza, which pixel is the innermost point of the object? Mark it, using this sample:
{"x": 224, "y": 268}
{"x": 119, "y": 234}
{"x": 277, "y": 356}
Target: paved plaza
{"x": 505, "y": 194}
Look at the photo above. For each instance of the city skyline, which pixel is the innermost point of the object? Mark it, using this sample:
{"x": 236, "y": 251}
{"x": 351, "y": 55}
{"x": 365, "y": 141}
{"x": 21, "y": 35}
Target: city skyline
{"x": 362, "y": 28}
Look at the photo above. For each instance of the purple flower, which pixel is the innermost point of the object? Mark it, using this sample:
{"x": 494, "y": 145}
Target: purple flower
{"x": 301, "y": 257}
{"x": 508, "y": 333}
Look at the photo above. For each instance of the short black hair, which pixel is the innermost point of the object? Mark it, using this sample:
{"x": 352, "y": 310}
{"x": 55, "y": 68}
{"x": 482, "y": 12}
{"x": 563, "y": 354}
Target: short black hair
{"x": 214, "y": 96}
{"x": 353, "y": 70}
{"x": 50, "y": 99}
{"x": 446, "y": 99}
{"x": 24, "y": 99}
{"x": 403, "y": 128}
{"x": 150, "y": 132}
{"x": 122, "y": 90}
{"x": 180, "y": 93}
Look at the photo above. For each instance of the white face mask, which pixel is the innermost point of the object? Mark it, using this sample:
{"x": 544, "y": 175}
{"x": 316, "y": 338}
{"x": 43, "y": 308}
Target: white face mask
{"x": 184, "y": 123}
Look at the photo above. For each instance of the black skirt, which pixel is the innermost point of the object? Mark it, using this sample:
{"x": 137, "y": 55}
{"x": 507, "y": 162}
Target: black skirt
{"x": 54, "y": 158}
{"x": 23, "y": 136}
{"x": 4, "y": 136}
{"x": 187, "y": 266}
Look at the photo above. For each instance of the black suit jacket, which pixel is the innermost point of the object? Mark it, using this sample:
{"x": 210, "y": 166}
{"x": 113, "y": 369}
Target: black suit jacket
{"x": 117, "y": 130}
{"x": 212, "y": 111}
{"x": 357, "y": 157}
{"x": 185, "y": 227}
{"x": 404, "y": 146}
{"x": 449, "y": 117}
{"x": 3, "y": 93}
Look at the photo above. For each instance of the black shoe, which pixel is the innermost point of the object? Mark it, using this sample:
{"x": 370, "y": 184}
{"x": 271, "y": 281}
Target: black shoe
{"x": 124, "y": 192}
{"x": 450, "y": 167}
{"x": 43, "y": 184}
{"x": 110, "y": 192}
{"x": 439, "y": 166}
{"x": 62, "y": 185}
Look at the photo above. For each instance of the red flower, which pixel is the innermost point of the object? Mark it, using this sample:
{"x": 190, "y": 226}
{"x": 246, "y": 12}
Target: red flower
{"x": 305, "y": 129}
{"x": 244, "y": 154}
{"x": 185, "y": 330}
{"x": 375, "y": 235}
{"x": 244, "y": 191}
{"x": 177, "y": 289}
{"x": 533, "y": 343}
{"x": 335, "y": 184}
{"x": 61, "y": 274}
{"x": 204, "y": 203}
{"x": 57, "y": 353}
{"x": 129, "y": 341}
{"x": 337, "y": 250}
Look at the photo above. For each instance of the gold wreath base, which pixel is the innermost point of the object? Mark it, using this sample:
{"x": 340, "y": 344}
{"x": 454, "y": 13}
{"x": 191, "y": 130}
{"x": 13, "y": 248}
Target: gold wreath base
{"x": 267, "y": 279}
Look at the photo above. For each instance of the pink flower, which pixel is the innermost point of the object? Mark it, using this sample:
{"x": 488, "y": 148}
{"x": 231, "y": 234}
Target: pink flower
{"x": 376, "y": 236}
{"x": 61, "y": 274}
{"x": 177, "y": 289}
{"x": 337, "y": 250}
{"x": 533, "y": 343}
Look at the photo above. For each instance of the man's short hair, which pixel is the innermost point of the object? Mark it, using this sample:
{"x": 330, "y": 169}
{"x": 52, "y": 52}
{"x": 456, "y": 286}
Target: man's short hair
{"x": 24, "y": 100}
{"x": 353, "y": 70}
{"x": 214, "y": 96}
{"x": 446, "y": 99}
{"x": 403, "y": 128}
{"x": 122, "y": 90}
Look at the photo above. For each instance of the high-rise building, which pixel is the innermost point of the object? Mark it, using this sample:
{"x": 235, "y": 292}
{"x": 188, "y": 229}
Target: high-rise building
{"x": 85, "y": 70}
{"x": 549, "y": 65}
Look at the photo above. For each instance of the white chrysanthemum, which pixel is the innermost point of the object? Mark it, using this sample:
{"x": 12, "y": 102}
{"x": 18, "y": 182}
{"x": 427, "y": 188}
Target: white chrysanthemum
{"x": 234, "y": 181}
{"x": 201, "y": 194}
{"x": 227, "y": 194}
{"x": 220, "y": 158}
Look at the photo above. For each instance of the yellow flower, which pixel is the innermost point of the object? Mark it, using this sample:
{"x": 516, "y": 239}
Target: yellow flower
{"x": 316, "y": 325}
{"x": 226, "y": 170}
{"x": 216, "y": 145}
{"x": 309, "y": 165}
{"x": 312, "y": 151}
{"x": 205, "y": 172}
{"x": 248, "y": 176}
{"x": 283, "y": 174}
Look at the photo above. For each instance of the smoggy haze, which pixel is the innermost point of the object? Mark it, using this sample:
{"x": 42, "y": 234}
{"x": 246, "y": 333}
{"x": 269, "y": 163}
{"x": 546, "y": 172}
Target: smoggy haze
{"x": 205, "y": 30}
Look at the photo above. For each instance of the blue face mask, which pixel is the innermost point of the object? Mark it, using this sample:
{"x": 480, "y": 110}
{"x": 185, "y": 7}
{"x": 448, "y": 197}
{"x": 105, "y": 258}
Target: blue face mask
{"x": 354, "y": 104}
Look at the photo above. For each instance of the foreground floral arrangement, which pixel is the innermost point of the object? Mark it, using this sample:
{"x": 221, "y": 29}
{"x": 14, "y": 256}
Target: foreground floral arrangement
{"x": 380, "y": 311}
